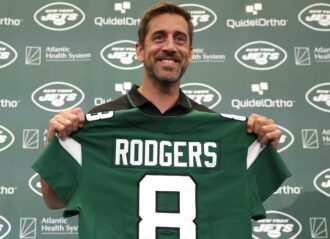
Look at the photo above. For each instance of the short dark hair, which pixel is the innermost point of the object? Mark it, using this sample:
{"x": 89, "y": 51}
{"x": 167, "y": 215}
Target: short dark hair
{"x": 162, "y": 8}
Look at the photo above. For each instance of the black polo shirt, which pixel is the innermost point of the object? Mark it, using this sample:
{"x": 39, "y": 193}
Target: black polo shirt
{"x": 135, "y": 99}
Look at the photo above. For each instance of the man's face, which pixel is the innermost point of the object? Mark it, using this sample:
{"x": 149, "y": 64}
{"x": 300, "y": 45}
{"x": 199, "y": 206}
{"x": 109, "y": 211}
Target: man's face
{"x": 167, "y": 51}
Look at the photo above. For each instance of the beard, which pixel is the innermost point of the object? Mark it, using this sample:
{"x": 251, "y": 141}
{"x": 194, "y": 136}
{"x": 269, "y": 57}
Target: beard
{"x": 164, "y": 74}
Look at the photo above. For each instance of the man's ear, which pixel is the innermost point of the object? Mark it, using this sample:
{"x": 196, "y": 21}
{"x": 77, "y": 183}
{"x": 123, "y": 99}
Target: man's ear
{"x": 139, "y": 51}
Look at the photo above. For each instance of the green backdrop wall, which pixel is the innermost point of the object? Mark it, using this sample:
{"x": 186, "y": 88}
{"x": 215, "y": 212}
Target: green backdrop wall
{"x": 267, "y": 57}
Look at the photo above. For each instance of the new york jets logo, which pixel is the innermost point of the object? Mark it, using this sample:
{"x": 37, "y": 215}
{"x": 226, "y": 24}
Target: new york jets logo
{"x": 34, "y": 184}
{"x": 57, "y": 96}
{"x": 121, "y": 55}
{"x": 6, "y": 138}
{"x": 260, "y": 55}
{"x": 201, "y": 17}
{"x": 277, "y": 225}
{"x": 59, "y": 16}
{"x": 316, "y": 16}
{"x": 5, "y": 227}
{"x": 322, "y": 182}
{"x": 319, "y": 96}
{"x": 286, "y": 139}
{"x": 202, "y": 94}
{"x": 7, "y": 54}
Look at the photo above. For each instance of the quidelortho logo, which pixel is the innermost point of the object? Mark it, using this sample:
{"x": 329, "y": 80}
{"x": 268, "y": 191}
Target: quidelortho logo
{"x": 5, "y": 227}
{"x": 286, "y": 140}
{"x": 202, "y": 94}
{"x": 264, "y": 102}
{"x": 322, "y": 182}
{"x": 35, "y": 185}
{"x": 7, "y": 54}
{"x": 6, "y": 138}
{"x": 121, "y": 55}
{"x": 277, "y": 225}
{"x": 260, "y": 55}
{"x": 59, "y": 16}
{"x": 316, "y": 16}
{"x": 319, "y": 96}
{"x": 201, "y": 17}
{"x": 122, "y": 7}
{"x": 255, "y": 9}
{"x": 122, "y": 20}
{"x": 8, "y": 21}
{"x": 57, "y": 96}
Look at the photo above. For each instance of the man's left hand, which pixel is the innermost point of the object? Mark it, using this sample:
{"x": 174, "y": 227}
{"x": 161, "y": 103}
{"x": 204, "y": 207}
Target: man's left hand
{"x": 265, "y": 129}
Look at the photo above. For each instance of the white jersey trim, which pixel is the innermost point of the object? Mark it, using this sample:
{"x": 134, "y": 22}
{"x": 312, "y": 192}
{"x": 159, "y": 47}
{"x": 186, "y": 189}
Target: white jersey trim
{"x": 73, "y": 148}
{"x": 253, "y": 152}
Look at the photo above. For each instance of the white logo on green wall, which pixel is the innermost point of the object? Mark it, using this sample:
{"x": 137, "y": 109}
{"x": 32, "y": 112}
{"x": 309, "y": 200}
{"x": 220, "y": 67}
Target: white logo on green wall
{"x": 319, "y": 96}
{"x": 57, "y": 96}
{"x": 6, "y": 138}
{"x": 5, "y": 227}
{"x": 260, "y": 55}
{"x": 121, "y": 55}
{"x": 322, "y": 182}
{"x": 7, "y": 54}
{"x": 201, "y": 17}
{"x": 35, "y": 185}
{"x": 277, "y": 225}
{"x": 59, "y": 16}
{"x": 316, "y": 16}
{"x": 202, "y": 94}
{"x": 286, "y": 140}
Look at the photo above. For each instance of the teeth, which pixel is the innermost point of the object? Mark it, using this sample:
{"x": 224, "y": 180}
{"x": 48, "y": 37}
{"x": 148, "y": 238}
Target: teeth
{"x": 168, "y": 61}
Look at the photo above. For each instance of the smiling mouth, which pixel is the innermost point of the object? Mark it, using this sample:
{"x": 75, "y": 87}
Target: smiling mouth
{"x": 166, "y": 61}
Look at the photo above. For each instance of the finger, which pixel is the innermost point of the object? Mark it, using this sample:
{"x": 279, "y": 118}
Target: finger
{"x": 250, "y": 123}
{"x": 62, "y": 124}
{"x": 254, "y": 123}
{"x": 271, "y": 134}
{"x": 81, "y": 116}
{"x": 70, "y": 119}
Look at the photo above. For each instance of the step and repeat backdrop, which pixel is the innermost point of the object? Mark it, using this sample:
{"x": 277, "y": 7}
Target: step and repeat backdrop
{"x": 266, "y": 57}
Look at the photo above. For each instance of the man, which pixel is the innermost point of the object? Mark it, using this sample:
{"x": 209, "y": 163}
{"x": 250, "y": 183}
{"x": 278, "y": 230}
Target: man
{"x": 165, "y": 48}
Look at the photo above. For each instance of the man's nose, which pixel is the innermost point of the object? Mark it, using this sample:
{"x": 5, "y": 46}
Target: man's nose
{"x": 169, "y": 46}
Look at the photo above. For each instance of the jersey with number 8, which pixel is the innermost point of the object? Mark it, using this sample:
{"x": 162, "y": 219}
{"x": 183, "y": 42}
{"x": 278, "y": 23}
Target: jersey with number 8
{"x": 130, "y": 175}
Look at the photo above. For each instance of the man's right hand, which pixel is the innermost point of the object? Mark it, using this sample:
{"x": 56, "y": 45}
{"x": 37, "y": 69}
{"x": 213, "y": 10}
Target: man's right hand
{"x": 65, "y": 122}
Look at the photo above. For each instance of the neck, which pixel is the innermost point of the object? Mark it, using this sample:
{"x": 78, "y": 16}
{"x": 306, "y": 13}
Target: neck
{"x": 162, "y": 95}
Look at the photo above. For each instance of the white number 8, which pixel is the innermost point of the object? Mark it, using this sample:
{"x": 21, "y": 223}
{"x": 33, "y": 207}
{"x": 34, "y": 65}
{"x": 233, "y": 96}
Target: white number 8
{"x": 150, "y": 219}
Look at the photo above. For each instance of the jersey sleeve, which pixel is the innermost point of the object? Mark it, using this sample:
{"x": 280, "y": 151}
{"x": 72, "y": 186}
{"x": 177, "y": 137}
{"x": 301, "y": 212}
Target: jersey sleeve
{"x": 60, "y": 166}
{"x": 266, "y": 174}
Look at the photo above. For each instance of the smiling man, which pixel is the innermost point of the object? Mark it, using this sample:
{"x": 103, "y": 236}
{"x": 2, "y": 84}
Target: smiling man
{"x": 160, "y": 165}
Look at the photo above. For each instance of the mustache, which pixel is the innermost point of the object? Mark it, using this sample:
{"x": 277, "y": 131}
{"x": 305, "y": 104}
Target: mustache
{"x": 169, "y": 56}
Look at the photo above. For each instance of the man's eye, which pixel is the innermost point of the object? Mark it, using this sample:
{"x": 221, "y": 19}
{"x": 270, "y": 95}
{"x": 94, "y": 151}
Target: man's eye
{"x": 158, "y": 37}
{"x": 180, "y": 39}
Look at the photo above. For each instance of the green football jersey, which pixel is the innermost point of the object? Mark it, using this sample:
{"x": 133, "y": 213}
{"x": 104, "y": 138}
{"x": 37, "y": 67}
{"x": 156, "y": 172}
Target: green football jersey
{"x": 129, "y": 175}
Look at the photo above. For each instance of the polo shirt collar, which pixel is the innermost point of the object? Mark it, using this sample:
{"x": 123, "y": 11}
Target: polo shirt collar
{"x": 136, "y": 99}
